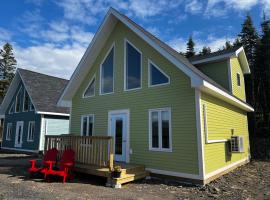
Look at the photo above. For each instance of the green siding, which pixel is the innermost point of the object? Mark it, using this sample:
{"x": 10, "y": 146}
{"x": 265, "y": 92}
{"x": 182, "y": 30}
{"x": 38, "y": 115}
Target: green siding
{"x": 218, "y": 71}
{"x": 178, "y": 95}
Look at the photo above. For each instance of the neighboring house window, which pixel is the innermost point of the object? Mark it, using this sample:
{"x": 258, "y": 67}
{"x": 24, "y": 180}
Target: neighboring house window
{"x": 133, "y": 67}
{"x": 90, "y": 90}
{"x": 238, "y": 79}
{"x": 9, "y": 131}
{"x": 26, "y": 101}
{"x": 87, "y": 125}
{"x": 31, "y": 131}
{"x": 11, "y": 109}
{"x": 157, "y": 76}
{"x": 32, "y": 107}
{"x": 160, "y": 135}
{"x": 18, "y": 101}
{"x": 106, "y": 73}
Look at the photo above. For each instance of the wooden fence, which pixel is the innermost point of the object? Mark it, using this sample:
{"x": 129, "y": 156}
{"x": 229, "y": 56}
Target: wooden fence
{"x": 89, "y": 150}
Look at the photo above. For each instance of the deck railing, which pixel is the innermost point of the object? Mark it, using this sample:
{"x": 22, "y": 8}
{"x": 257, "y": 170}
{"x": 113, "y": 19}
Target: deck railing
{"x": 89, "y": 150}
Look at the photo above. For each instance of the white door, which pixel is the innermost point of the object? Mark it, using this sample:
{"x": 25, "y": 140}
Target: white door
{"x": 118, "y": 130}
{"x": 19, "y": 134}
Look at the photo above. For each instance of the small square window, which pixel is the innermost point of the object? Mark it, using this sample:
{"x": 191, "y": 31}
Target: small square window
{"x": 87, "y": 125}
{"x": 31, "y": 131}
{"x": 238, "y": 80}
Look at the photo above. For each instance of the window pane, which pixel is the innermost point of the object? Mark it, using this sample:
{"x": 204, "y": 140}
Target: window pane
{"x": 165, "y": 129}
{"x": 91, "y": 89}
{"x": 118, "y": 136}
{"x": 32, "y": 131}
{"x": 154, "y": 117}
{"x": 84, "y": 131}
{"x": 133, "y": 68}
{"x": 238, "y": 80}
{"x": 107, "y": 74}
{"x": 90, "y": 126}
{"x": 156, "y": 76}
{"x": 26, "y": 102}
{"x": 18, "y": 102}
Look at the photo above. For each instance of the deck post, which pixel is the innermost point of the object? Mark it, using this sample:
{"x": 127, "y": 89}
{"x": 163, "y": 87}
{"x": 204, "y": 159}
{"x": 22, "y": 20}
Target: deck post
{"x": 111, "y": 155}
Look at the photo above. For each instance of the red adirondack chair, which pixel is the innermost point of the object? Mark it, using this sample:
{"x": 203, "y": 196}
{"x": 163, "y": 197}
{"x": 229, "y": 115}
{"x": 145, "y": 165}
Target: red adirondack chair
{"x": 65, "y": 166}
{"x": 50, "y": 155}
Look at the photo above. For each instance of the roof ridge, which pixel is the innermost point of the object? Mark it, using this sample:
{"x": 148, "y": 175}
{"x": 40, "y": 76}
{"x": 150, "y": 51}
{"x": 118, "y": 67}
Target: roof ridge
{"x": 27, "y": 70}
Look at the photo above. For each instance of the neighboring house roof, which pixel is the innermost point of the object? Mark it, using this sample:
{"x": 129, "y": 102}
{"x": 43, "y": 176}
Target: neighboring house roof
{"x": 44, "y": 91}
{"x": 237, "y": 51}
{"x": 198, "y": 79}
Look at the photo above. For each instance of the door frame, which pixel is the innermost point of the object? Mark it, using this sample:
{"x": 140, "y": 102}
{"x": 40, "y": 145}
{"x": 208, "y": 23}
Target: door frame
{"x": 123, "y": 111}
{"x": 16, "y": 132}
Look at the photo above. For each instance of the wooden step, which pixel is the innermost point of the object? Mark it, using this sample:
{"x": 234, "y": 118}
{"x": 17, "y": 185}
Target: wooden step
{"x": 117, "y": 182}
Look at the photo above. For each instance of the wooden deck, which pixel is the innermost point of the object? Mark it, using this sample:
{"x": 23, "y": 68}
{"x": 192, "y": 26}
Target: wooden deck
{"x": 94, "y": 155}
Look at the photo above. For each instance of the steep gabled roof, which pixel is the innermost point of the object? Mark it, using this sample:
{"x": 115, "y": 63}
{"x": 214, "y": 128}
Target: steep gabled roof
{"x": 44, "y": 91}
{"x": 237, "y": 51}
{"x": 198, "y": 79}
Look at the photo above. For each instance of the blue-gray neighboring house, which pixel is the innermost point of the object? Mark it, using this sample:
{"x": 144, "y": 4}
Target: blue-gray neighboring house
{"x": 30, "y": 111}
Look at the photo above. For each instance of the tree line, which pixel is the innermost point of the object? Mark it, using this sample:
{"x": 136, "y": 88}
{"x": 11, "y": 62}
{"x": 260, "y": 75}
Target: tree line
{"x": 257, "y": 48}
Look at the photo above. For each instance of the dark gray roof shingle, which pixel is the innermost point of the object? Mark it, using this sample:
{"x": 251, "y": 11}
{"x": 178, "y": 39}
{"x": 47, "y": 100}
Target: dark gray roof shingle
{"x": 44, "y": 90}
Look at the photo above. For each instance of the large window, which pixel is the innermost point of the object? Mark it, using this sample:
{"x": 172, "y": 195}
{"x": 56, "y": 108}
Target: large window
{"x": 18, "y": 101}
{"x": 90, "y": 90}
{"x": 87, "y": 125}
{"x": 106, "y": 73}
{"x": 26, "y": 101}
{"x": 133, "y": 67}
{"x": 9, "y": 131}
{"x": 31, "y": 131}
{"x": 156, "y": 75}
{"x": 160, "y": 135}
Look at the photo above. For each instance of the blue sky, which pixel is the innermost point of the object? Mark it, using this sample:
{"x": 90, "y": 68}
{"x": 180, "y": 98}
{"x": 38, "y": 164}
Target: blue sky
{"x": 51, "y": 36}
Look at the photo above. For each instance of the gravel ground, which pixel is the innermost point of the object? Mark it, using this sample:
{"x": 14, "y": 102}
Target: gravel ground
{"x": 251, "y": 181}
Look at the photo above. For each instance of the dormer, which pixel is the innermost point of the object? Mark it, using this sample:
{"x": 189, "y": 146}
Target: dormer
{"x": 227, "y": 68}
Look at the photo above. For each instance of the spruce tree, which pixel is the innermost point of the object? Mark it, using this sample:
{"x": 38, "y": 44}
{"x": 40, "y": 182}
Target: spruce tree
{"x": 227, "y": 45}
{"x": 190, "y": 48}
{"x": 7, "y": 62}
{"x": 205, "y": 50}
{"x": 237, "y": 42}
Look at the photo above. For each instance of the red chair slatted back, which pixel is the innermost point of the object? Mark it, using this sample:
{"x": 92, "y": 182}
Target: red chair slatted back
{"x": 51, "y": 155}
{"x": 67, "y": 157}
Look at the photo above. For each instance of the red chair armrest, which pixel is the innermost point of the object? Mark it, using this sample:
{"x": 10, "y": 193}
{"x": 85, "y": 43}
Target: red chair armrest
{"x": 50, "y": 163}
{"x": 33, "y": 162}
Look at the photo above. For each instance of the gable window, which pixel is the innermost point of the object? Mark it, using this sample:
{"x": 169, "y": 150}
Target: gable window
{"x": 32, "y": 107}
{"x": 160, "y": 136}
{"x": 9, "y": 131}
{"x": 133, "y": 67}
{"x": 90, "y": 90}
{"x": 31, "y": 131}
{"x": 87, "y": 125}
{"x": 238, "y": 79}
{"x": 106, "y": 73}
{"x": 156, "y": 76}
{"x": 11, "y": 109}
{"x": 18, "y": 101}
{"x": 26, "y": 101}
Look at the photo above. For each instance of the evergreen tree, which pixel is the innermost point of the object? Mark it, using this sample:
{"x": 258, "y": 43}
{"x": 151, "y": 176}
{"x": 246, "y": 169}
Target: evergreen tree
{"x": 227, "y": 45}
{"x": 190, "y": 48}
{"x": 249, "y": 38}
{"x": 205, "y": 50}
{"x": 7, "y": 62}
{"x": 237, "y": 42}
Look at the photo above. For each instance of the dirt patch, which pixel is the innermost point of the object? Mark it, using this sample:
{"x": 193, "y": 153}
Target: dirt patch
{"x": 251, "y": 181}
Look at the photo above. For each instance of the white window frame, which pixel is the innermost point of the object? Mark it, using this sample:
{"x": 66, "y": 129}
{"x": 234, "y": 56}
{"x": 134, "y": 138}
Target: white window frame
{"x": 12, "y": 106}
{"x": 9, "y": 131}
{"x": 16, "y": 101}
{"x": 100, "y": 69}
{"x": 28, "y": 135}
{"x": 238, "y": 74}
{"x": 87, "y": 127}
{"x": 29, "y": 104}
{"x": 125, "y": 65}
{"x": 159, "y": 110}
{"x": 93, "y": 78}
{"x": 150, "y": 62}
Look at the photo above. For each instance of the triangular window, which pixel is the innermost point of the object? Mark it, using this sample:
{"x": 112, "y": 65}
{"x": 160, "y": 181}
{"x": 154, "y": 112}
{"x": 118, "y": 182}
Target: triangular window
{"x": 90, "y": 90}
{"x": 157, "y": 76}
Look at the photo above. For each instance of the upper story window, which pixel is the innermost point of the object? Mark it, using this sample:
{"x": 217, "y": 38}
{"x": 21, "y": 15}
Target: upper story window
{"x": 18, "y": 101}
{"x": 11, "y": 109}
{"x": 133, "y": 67}
{"x": 26, "y": 101}
{"x": 31, "y": 131}
{"x": 106, "y": 73}
{"x": 87, "y": 125}
{"x": 160, "y": 136}
{"x": 156, "y": 76}
{"x": 238, "y": 79}
{"x": 9, "y": 131}
{"x": 32, "y": 107}
{"x": 90, "y": 90}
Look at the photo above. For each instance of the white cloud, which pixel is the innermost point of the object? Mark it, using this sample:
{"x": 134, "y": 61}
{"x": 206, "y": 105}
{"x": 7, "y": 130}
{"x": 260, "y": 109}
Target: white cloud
{"x": 194, "y": 6}
{"x": 5, "y": 35}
